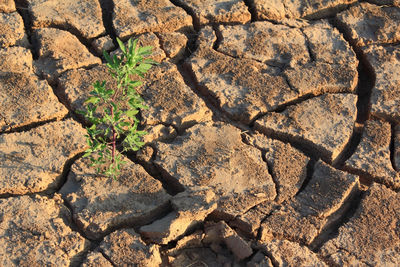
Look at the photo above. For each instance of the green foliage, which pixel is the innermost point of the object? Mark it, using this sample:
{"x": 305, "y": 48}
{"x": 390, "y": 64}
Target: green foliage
{"x": 112, "y": 111}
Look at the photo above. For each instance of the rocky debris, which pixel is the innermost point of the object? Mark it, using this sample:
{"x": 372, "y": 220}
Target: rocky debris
{"x": 25, "y": 100}
{"x": 308, "y": 214}
{"x": 12, "y": 30}
{"x": 83, "y": 16}
{"x": 218, "y": 233}
{"x": 317, "y": 78}
{"x": 275, "y": 45}
{"x": 36, "y": 231}
{"x": 170, "y": 100}
{"x": 16, "y": 59}
{"x": 195, "y": 257}
{"x": 210, "y": 248}
{"x": 249, "y": 222}
{"x": 33, "y": 161}
{"x": 95, "y": 259}
{"x": 216, "y": 11}
{"x": 104, "y": 43}
{"x": 385, "y": 96}
{"x": 214, "y": 156}
{"x": 286, "y": 253}
{"x": 372, "y": 156}
{"x": 190, "y": 209}
{"x": 288, "y": 166}
{"x": 193, "y": 240}
{"x": 174, "y": 44}
{"x": 371, "y": 236}
{"x": 60, "y": 51}
{"x": 7, "y": 6}
{"x": 125, "y": 248}
{"x": 101, "y": 204}
{"x": 259, "y": 260}
{"x": 135, "y": 17}
{"x": 324, "y": 124}
{"x": 328, "y": 45}
{"x": 243, "y": 88}
{"x": 279, "y": 10}
{"x": 371, "y": 24}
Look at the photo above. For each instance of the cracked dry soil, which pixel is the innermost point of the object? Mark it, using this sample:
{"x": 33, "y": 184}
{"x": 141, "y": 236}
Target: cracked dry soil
{"x": 274, "y": 134}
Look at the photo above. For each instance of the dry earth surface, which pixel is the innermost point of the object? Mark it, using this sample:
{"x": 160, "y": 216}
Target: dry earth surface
{"x": 274, "y": 134}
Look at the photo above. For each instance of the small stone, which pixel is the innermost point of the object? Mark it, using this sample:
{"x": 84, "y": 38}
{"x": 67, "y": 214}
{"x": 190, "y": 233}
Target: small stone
{"x": 325, "y": 198}
{"x": 145, "y": 154}
{"x": 190, "y": 209}
{"x": 104, "y": 43}
{"x": 372, "y": 156}
{"x": 130, "y": 18}
{"x": 125, "y": 248}
{"x": 7, "y": 6}
{"x": 95, "y": 259}
{"x": 216, "y": 11}
{"x": 12, "y": 30}
{"x": 214, "y": 156}
{"x": 25, "y": 220}
{"x": 196, "y": 257}
{"x": 221, "y": 232}
{"x": 371, "y": 24}
{"x": 34, "y": 161}
{"x": 259, "y": 260}
{"x": 60, "y": 51}
{"x": 16, "y": 59}
{"x": 371, "y": 235}
{"x": 187, "y": 242}
{"x": 24, "y": 99}
{"x": 85, "y": 16}
{"x": 286, "y": 253}
{"x": 324, "y": 123}
{"x": 174, "y": 45}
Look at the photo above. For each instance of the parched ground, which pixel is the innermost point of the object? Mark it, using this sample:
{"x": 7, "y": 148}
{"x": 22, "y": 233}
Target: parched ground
{"x": 274, "y": 134}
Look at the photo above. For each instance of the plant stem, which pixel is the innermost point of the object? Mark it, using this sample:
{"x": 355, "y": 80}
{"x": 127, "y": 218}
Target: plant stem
{"x": 114, "y": 135}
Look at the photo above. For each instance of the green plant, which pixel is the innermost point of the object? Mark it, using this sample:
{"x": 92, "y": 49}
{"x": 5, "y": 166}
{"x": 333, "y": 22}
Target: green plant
{"x": 113, "y": 112}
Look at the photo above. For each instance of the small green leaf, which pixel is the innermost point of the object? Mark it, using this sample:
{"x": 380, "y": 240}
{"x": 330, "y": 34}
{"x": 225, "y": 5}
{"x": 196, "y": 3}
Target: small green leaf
{"x": 92, "y": 99}
{"x": 121, "y": 45}
{"x": 107, "y": 57}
